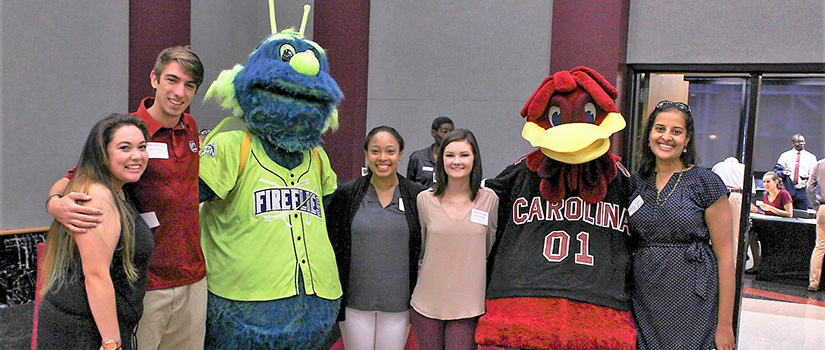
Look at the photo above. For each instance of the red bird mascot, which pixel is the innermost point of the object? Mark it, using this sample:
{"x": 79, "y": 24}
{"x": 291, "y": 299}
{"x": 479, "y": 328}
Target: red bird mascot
{"x": 559, "y": 268}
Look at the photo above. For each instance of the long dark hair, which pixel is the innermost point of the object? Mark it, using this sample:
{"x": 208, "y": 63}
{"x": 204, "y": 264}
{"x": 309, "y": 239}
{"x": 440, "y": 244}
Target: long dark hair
{"x": 61, "y": 249}
{"x": 475, "y": 175}
{"x": 647, "y": 163}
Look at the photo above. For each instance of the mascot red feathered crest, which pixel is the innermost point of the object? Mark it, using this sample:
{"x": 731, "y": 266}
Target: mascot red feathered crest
{"x": 570, "y": 117}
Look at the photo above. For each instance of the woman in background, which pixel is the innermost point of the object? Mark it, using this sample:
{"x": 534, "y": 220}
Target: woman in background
{"x": 373, "y": 227}
{"x": 94, "y": 282}
{"x": 458, "y": 225}
{"x": 776, "y": 200}
{"x": 683, "y": 279}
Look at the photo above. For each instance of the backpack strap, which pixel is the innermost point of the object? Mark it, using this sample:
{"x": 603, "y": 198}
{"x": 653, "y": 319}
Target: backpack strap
{"x": 317, "y": 160}
{"x": 246, "y": 145}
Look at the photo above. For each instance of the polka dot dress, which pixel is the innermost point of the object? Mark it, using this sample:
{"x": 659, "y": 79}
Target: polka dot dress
{"x": 675, "y": 277}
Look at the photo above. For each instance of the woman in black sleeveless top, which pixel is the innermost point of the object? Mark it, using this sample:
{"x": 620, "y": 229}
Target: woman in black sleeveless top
{"x": 94, "y": 282}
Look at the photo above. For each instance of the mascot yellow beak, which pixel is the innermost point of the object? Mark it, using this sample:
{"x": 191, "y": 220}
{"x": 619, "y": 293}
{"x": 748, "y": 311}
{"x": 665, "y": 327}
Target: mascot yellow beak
{"x": 574, "y": 143}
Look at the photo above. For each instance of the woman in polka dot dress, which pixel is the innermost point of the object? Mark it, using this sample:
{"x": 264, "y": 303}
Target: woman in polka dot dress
{"x": 680, "y": 220}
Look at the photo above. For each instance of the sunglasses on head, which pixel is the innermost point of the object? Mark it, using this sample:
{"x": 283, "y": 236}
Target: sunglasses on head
{"x": 679, "y": 105}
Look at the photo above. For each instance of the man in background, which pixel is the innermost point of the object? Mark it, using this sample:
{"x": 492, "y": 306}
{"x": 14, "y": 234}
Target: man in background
{"x": 814, "y": 193}
{"x": 798, "y": 163}
{"x": 733, "y": 175}
{"x": 174, "y": 308}
{"x": 421, "y": 167}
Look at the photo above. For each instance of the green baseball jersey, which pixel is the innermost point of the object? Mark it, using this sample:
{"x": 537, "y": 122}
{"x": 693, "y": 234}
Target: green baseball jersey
{"x": 268, "y": 223}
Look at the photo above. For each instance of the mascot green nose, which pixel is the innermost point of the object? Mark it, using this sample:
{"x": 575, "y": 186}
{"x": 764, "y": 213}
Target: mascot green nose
{"x": 305, "y": 63}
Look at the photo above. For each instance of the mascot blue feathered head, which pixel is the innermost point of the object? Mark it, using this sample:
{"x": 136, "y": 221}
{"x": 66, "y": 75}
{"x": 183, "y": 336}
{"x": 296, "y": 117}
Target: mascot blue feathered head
{"x": 284, "y": 93}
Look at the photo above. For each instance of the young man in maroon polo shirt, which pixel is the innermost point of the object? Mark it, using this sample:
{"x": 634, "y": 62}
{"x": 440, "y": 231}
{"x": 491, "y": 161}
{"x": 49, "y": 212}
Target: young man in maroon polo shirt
{"x": 174, "y": 314}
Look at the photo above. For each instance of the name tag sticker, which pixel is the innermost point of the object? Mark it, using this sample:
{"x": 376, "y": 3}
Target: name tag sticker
{"x": 157, "y": 150}
{"x": 151, "y": 219}
{"x": 401, "y": 204}
{"x": 635, "y": 205}
{"x": 479, "y": 217}
{"x": 426, "y": 168}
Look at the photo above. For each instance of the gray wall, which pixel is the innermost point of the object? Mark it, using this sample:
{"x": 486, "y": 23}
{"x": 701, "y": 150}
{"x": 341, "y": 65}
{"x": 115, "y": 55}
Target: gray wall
{"x": 65, "y": 65}
{"x": 726, "y": 31}
{"x": 62, "y": 67}
{"x": 475, "y": 61}
{"x": 225, "y": 33}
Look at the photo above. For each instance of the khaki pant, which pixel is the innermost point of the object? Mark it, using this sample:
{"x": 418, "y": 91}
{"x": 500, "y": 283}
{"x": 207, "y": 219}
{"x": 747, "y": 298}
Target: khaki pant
{"x": 174, "y": 318}
{"x": 735, "y": 201}
{"x": 819, "y": 249}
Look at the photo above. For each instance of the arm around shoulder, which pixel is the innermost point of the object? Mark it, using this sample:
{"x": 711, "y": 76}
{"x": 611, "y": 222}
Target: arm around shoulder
{"x": 66, "y": 209}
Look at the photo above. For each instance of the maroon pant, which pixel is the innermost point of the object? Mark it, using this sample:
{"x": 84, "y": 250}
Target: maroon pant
{"x": 433, "y": 334}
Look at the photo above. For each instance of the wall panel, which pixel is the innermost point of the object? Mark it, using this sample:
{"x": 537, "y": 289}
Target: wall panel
{"x": 726, "y": 31}
{"x": 475, "y": 61}
{"x": 63, "y": 67}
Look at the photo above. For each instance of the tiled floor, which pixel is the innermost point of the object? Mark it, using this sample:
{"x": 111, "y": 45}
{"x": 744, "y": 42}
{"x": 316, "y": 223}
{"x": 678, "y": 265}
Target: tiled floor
{"x": 780, "y": 316}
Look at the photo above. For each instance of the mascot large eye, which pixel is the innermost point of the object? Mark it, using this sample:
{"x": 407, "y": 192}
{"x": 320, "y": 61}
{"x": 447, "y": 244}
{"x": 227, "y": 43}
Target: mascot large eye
{"x": 590, "y": 112}
{"x": 554, "y": 115}
{"x": 287, "y": 51}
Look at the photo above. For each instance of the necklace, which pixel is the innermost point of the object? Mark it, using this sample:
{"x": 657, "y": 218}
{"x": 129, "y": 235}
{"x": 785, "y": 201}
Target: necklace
{"x": 660, "y": 203}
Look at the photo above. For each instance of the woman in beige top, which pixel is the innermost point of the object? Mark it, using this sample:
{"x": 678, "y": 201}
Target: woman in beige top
{"x": 458, "y": 225}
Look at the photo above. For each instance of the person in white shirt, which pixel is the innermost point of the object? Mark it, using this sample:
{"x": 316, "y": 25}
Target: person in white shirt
{"x": 733, "y": 175}
{"x": 798, "y": 164}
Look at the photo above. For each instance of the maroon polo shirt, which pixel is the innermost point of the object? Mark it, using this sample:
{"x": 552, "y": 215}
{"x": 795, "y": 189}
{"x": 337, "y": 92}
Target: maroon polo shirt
{"x": 169, "y": 187}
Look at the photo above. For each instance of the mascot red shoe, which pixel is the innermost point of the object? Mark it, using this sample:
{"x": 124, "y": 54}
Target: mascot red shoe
{"x": 559, "y": 268}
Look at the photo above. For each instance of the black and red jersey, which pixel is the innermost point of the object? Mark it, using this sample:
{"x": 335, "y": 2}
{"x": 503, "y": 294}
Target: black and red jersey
{"x": 569, "y": 249}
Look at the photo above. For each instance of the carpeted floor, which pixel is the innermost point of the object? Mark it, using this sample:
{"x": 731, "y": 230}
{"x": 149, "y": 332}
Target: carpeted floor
{"x": 16, "y": 328}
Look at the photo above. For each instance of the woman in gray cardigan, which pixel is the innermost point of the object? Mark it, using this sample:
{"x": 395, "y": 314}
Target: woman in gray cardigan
{"x": 374, "y": 230}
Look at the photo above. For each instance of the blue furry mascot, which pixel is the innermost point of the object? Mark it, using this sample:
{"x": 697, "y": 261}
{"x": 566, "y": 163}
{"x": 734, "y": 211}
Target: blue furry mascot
{"x": 271, "y": 272}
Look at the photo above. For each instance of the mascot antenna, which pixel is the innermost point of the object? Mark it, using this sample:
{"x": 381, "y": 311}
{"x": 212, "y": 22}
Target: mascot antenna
{"x": 274, "y": 27}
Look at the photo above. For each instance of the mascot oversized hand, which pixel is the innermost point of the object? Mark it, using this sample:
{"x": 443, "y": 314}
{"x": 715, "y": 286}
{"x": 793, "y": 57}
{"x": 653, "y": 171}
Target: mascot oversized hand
{"x": 560, "y": 264}
{"x": 271, "y": 271}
